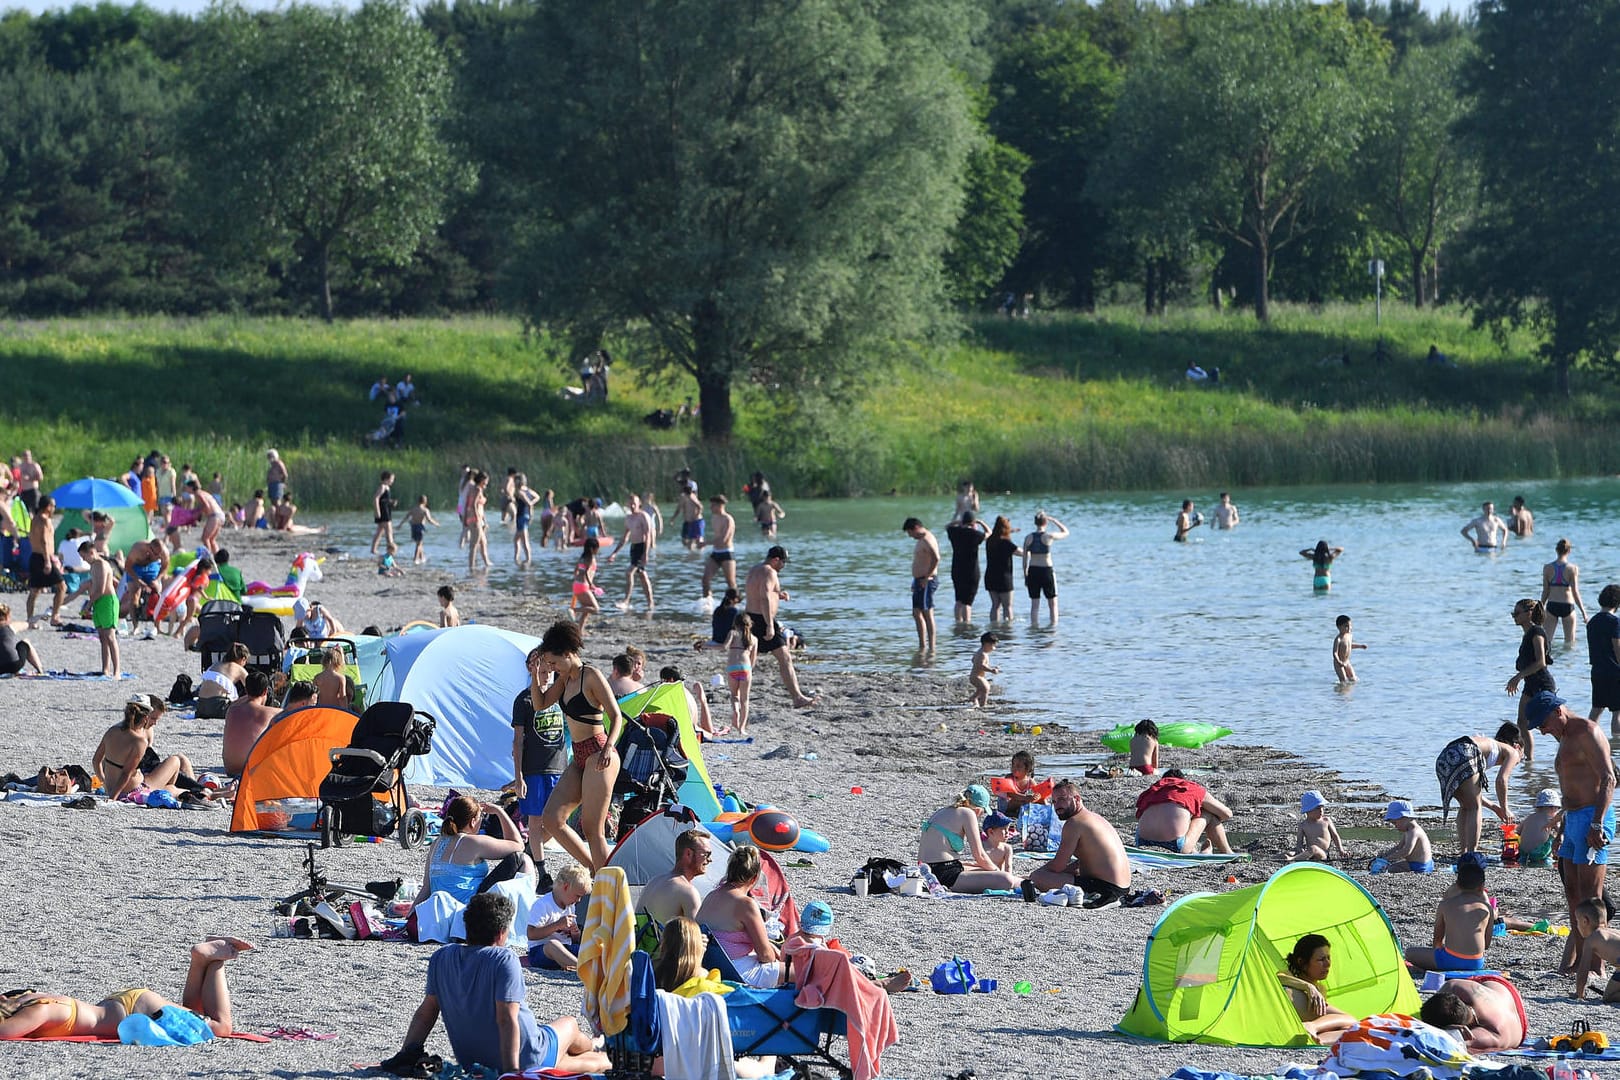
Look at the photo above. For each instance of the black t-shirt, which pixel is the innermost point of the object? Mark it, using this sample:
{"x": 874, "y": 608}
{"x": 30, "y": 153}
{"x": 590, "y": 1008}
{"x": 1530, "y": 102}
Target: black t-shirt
{"x": 1543, "y": 679}
{"x": 725, "y": 617}
{"x": 965, "y": 541}
{"x": 543, "y": 736}
{"x": 998, "y": 564}
{"x": 1600, "y": 634}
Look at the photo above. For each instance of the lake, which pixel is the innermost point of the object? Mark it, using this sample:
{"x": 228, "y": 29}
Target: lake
{"x": 1225, "y": 628}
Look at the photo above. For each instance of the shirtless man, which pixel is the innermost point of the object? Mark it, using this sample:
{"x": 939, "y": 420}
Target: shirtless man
{"x": 103, "y": 597}
{"x": 722, "y": 557}
{"x": 1489, "y": 531}
{"x": 924, "y": 580}
{"x": 145, "y": 565}
{"x": 762, "y": 592}
{"x": 638, "y": 533}
{"x": 690, "y": 511}
{"x": 672, "y": 894}
{"x": 1226, "y": 515}
{"x": 29, "y": 477}
{"x": 1521, "y": 522}
{"x": 1037, "y": 557}
{"x": 1462, "y": 925}
{"x": 245, "y": 721}
{"x": 1484, "y": 1011}
{"x": 1586, "y": 778}
{"x": 212, "y": 513}
{"x": 1090, "y": 855}
{"x": 1186, "y": 521}
{"x": 45, "y": 564}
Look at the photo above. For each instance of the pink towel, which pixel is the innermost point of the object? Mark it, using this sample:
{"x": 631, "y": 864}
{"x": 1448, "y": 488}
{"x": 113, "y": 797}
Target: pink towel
{"x": 826, "y": 979}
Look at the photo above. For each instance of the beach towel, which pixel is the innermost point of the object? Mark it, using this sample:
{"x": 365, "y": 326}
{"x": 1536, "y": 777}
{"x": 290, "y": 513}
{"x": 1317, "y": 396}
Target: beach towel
{"x": 604, "y": 955}
{"x": 1288, "y": 1072}
{"x": 829, "y": 980}
{"x": 1159, "y": 858}
{"x": 697, "y": 1037}
{"x": 442, "y": 918}
{"x": 1397, "y": 1045}
{"x": 67, "y": 676}
{"x": 112, "y": 1040}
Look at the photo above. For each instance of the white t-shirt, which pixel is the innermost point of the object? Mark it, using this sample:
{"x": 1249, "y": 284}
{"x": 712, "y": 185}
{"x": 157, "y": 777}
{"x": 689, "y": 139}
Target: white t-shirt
{"x": 545, "y": 911}
{"x": 68, "y": 551}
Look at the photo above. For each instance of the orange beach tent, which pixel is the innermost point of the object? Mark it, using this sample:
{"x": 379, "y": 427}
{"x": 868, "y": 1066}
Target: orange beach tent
{"x": 290, "y": 760}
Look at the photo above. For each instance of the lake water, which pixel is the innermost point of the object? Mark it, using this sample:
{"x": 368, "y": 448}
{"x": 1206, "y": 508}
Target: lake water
{"x": 1225, "y": 628}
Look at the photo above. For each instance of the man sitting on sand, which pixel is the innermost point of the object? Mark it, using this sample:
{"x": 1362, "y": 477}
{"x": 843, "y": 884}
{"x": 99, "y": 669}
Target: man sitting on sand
{"x": 29, "y": 1015}
{"x": 245, "y": 721}
{"x": 478, "y": 989}
{"x": 671, "y": 894}
{"x": 1462, "y": 924}
{"x": 1484, "y": 1011}
{"x": 1180, "y": 815}
{"x": 1090, "y": 857}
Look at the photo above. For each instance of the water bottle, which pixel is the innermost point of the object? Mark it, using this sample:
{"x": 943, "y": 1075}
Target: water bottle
{"x": 1563, "y": 1070}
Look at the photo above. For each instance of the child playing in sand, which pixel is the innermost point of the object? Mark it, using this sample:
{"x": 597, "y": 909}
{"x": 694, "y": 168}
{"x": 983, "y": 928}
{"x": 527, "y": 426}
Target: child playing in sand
{"x": 1601, "y": 945}
{"x": 1538, "y": 832}
{"x": 1412, "y": 852}
{"x": 553, "y": 930}
{"x": 1145, "y": 748}
{"x": 385, "y": 563}
{"x": 1342, "y": 644}
{"x": 448, "y": 615}
{"x": 995, "y": 841}
{"x": 741, "y": 652}
{"x": 1462, "y": 925}
{"x": 420, "y": 518}
{"x": 979, "y": 678}
{"x": 1316, "y": 837}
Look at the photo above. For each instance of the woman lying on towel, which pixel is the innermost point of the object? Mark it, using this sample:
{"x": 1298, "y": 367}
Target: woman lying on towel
{"x": 1308, "y": 966}
{"x": 27, "y": 1015}
{"x": 733, "y": 917}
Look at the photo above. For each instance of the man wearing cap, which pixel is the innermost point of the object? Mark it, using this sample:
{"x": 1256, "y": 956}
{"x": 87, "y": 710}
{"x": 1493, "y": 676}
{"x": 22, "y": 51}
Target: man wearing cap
{"x": 1089, "y": 858}
{"x": 1586, "y": 778}
{"x": 924, "y": 580}
{"x": 763, "y": 591}
{"x": 1412, "y": 853}
{"x": 671, "y": 894}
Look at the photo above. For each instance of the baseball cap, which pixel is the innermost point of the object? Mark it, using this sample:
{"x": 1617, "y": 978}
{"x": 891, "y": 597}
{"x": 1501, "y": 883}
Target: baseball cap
{"x": 995, "y": 820}
{"x": 1547, "y": 797}
{"x": 816, "y": 918}
{"x": 977, "y": 795}
{"x": 1538, "y": 708}
{"x": 1310, "y": 801}
{"x": 1397, "y": 810}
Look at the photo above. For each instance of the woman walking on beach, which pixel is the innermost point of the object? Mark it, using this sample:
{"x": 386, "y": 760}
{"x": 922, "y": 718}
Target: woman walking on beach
{"x": 1561, "y": 594}
{"x": 999, "y": 551}
{"x": 1321, "y": 557}
{"x": 1462, "y": 769}
{"x": 1531, "y": 674}
{"x": 557, "y": 676}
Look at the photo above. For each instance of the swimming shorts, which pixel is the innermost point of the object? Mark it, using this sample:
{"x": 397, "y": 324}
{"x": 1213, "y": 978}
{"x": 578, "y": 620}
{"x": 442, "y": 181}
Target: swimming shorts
{"x": 536, "y": 790}
{"x": 947, "y": 872}
{"x": 522, "y": 521}
{"x": 721, "y": 557}
{"x": 1558, "y": 609}
{"x": 1513, "y": 991}
{"x": 42, "y": 574}
{"x": 692, "y": 530}
{"x": 1177, "y": 845}
{"x": 418, "y": 532}
{"x": 104, "y": 612}
{"x": 1145, "y": 770}
{"x": 1605, "y": 692}
{"x": 770, "y": 638}
{"x": 148, "y": 572}
{"x": 638, "y": 556}
{"x": 922, "y": 593}
{"x": 1040, "y": 582}
{"x": 539, "y": 961}
{"x": 1100, "y": 893}
{"x": 1420, "y": 867}
{"x": 1450, "y": 961}
{"x": 1577, "y": 823}
{"x": 261, "y": 523}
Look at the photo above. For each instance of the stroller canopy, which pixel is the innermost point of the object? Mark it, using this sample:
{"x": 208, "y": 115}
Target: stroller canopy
{"x": 466, "y": 677}
{"x": 290, "y": 760}
{"x": 670, "y": 699}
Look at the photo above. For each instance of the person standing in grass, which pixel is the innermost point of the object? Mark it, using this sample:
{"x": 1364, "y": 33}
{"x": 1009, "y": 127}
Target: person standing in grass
{"x": 30, "y": 477}
{"x": 382, "y": 512}
{"x": 1038, "y": 576}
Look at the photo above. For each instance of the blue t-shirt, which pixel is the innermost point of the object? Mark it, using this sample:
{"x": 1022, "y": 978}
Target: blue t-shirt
{"x": 1600, "y": 634}
{"x": 468, "y": 983}
{"x": 544, "y": 752}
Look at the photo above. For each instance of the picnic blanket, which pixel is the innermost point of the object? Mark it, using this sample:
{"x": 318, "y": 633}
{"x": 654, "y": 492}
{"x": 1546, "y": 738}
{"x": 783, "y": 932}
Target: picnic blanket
{"x": 1157, "y": 858}
{"x": 67, "y": 676}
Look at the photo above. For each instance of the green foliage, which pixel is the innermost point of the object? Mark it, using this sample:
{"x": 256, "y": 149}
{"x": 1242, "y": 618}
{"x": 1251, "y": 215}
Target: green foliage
{"x": 987, "y": 236}
{"x": 749, "y": 192}
{"x": 319, "y": 133}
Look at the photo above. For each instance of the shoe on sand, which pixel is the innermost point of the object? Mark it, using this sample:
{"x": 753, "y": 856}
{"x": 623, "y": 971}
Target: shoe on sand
{"x": 1055, "y": 898}
{"x": 328, "y": 915}
{"x": 1095, "y": 902}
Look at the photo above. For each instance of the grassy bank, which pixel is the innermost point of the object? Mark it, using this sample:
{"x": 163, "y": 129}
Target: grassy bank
{"x": 1062, "y": 402}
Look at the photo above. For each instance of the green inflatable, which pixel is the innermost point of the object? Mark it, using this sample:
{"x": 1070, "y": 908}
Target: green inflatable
{"x": 1190, "y": 735}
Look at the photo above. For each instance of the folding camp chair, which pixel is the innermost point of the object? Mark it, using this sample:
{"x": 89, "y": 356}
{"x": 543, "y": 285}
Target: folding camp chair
{"x": 769, "y": 1022}
{"x": 307, "y": 664}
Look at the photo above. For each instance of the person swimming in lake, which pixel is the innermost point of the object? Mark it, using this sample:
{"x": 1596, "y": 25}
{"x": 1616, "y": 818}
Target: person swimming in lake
{"x": 1321, "y": 557}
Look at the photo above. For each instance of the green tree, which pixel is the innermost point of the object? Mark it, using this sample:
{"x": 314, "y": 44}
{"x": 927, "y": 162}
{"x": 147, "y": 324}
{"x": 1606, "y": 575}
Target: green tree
{"x": 987, "y": 236}
{"x": 753, "y": 191}
{"x": 318, "y": 134}
{"x": 1542, "y": 93}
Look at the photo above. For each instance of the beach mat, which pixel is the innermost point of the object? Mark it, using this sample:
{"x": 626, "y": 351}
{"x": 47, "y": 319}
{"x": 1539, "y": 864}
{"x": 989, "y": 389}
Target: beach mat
{"x": 1611, "y": 1054}
{"x": 245, "y": 1036}
{"x": 1157, "y": 858}
{"x": 67, "y": 676}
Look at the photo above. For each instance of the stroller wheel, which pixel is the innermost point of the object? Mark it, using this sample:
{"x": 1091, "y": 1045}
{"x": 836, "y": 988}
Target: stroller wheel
{"x": 326, "y": 825}
{"x": 412, "y": 829}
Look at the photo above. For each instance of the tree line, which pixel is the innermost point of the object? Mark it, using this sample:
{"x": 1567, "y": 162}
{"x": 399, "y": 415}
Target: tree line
{"x": 783, "y": 194}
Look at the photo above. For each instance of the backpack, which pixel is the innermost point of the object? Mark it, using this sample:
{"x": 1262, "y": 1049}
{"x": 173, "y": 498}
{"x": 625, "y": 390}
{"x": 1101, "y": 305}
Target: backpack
{"x": 874, "y": 870}
{"x": 182, "y": 691}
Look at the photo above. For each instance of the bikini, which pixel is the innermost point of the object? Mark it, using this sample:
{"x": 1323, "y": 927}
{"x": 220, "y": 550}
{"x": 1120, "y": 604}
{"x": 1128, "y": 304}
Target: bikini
{"x": 579, "y": 708}
{"x": 947, "y": 870}
{"x": 1558, "y": 609}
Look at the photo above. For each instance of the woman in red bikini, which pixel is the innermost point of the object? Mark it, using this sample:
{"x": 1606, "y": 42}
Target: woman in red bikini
{"x": 557, "y": 676}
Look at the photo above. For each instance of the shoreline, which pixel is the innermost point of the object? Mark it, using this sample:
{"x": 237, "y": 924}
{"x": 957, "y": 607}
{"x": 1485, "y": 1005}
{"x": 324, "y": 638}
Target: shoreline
{"x": 148, "y": 882}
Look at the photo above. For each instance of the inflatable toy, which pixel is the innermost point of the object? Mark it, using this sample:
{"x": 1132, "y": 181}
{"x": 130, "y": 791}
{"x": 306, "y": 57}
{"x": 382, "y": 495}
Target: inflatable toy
{"x": 176, "y": 592}
{"x": 772, "y": 830}
{"x": 770, "y": 833}
{"x": 306, "y": 570}
{"x": 1190, "y": 735}
{"x": 1003, "y": 785}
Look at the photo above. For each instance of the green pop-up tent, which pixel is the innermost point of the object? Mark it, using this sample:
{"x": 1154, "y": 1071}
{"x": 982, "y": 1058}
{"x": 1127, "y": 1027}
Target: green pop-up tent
{"x": 1209, "y": 969}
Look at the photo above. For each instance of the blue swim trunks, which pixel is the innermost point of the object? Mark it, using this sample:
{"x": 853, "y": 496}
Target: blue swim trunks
{"x": 536, "y": 790}
{"x": 922, "y": 593}
{"x": 1577, "y": 823}
{"x": 1177, "y": 845}
{"x": 1421, "y": 867}
{"x": 692, "y": 530}
{"x": 1450, "y": 961}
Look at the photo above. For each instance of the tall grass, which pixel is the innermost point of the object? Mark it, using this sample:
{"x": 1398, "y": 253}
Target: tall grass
{"x": 1061, "y": 402}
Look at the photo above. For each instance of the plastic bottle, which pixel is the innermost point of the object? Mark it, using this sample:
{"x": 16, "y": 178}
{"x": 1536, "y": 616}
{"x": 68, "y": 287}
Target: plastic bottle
{"x": 1563, "y": 1070}
{"x": 811, "y": 756}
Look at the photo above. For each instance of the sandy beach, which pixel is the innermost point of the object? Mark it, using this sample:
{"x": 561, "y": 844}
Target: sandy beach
{"x": 108, "y": 898}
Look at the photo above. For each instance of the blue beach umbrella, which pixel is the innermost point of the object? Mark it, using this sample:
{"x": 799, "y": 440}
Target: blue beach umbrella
{"x": 93, "y": 494}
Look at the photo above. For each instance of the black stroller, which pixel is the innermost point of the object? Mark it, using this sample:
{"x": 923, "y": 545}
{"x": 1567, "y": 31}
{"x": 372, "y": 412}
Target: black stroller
{"x": 217, "y": 627}
{"x": 385, "y": 739}
{"x": 654, "y": 767}
{"x": 223, "y": 623}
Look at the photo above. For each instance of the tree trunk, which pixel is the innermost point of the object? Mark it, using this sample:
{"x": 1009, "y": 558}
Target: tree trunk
{"x": 1262, "y": 283}
{"x": 326, "y": 282}
{"x": 1149, "y": 281}
{"x": 1420, "y": 269}
{"x": 713, "y": 361}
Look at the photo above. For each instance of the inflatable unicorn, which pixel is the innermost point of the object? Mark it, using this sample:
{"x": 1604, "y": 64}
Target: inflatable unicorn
{"x": 279, "y": 600}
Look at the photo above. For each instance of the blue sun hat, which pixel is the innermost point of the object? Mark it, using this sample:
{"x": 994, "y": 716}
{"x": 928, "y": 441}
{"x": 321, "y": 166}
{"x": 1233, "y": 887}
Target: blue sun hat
{"x": 816, "y": 919}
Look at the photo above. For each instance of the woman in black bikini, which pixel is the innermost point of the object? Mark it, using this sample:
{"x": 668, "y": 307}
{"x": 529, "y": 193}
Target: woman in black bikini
{"x": 557, "y": 676}
{"x": 1561, "y": 594}
{"x": 1532, "y": 674}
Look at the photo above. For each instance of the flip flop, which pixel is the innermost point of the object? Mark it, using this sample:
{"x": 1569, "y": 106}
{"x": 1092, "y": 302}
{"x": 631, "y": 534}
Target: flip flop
{"x": 299, "y": 1034}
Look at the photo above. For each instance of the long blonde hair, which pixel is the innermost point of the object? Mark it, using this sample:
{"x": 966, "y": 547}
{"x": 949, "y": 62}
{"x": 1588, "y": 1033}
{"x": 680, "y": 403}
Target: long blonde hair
{"x": 680, "y": 953}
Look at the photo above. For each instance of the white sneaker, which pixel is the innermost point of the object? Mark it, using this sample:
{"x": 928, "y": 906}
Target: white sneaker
{"x": 1076, "y": 897}
{"x": 1055, "y": 898}
{"x": 328, "y": 914}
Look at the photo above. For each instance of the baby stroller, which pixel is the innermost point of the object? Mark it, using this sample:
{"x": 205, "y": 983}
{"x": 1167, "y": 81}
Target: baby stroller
{"x": 217, "y": 626}
{"x": 385, "y": 739}
{"x": 261, "y": 632}
{"x": 653, "y": 770}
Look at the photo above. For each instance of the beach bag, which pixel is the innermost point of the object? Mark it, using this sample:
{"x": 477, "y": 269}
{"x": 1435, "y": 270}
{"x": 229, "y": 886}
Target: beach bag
{"x": 953, "y": 976}
{"x": 182, "y": 691}
{"x": 875, "y": 869}
{"x": 1039, "y": 828}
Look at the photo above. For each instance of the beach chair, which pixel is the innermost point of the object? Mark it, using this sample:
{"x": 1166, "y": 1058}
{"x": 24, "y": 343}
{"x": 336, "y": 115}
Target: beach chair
{"x": 769, "y": 1022}
{"x": 305, "y": 663}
